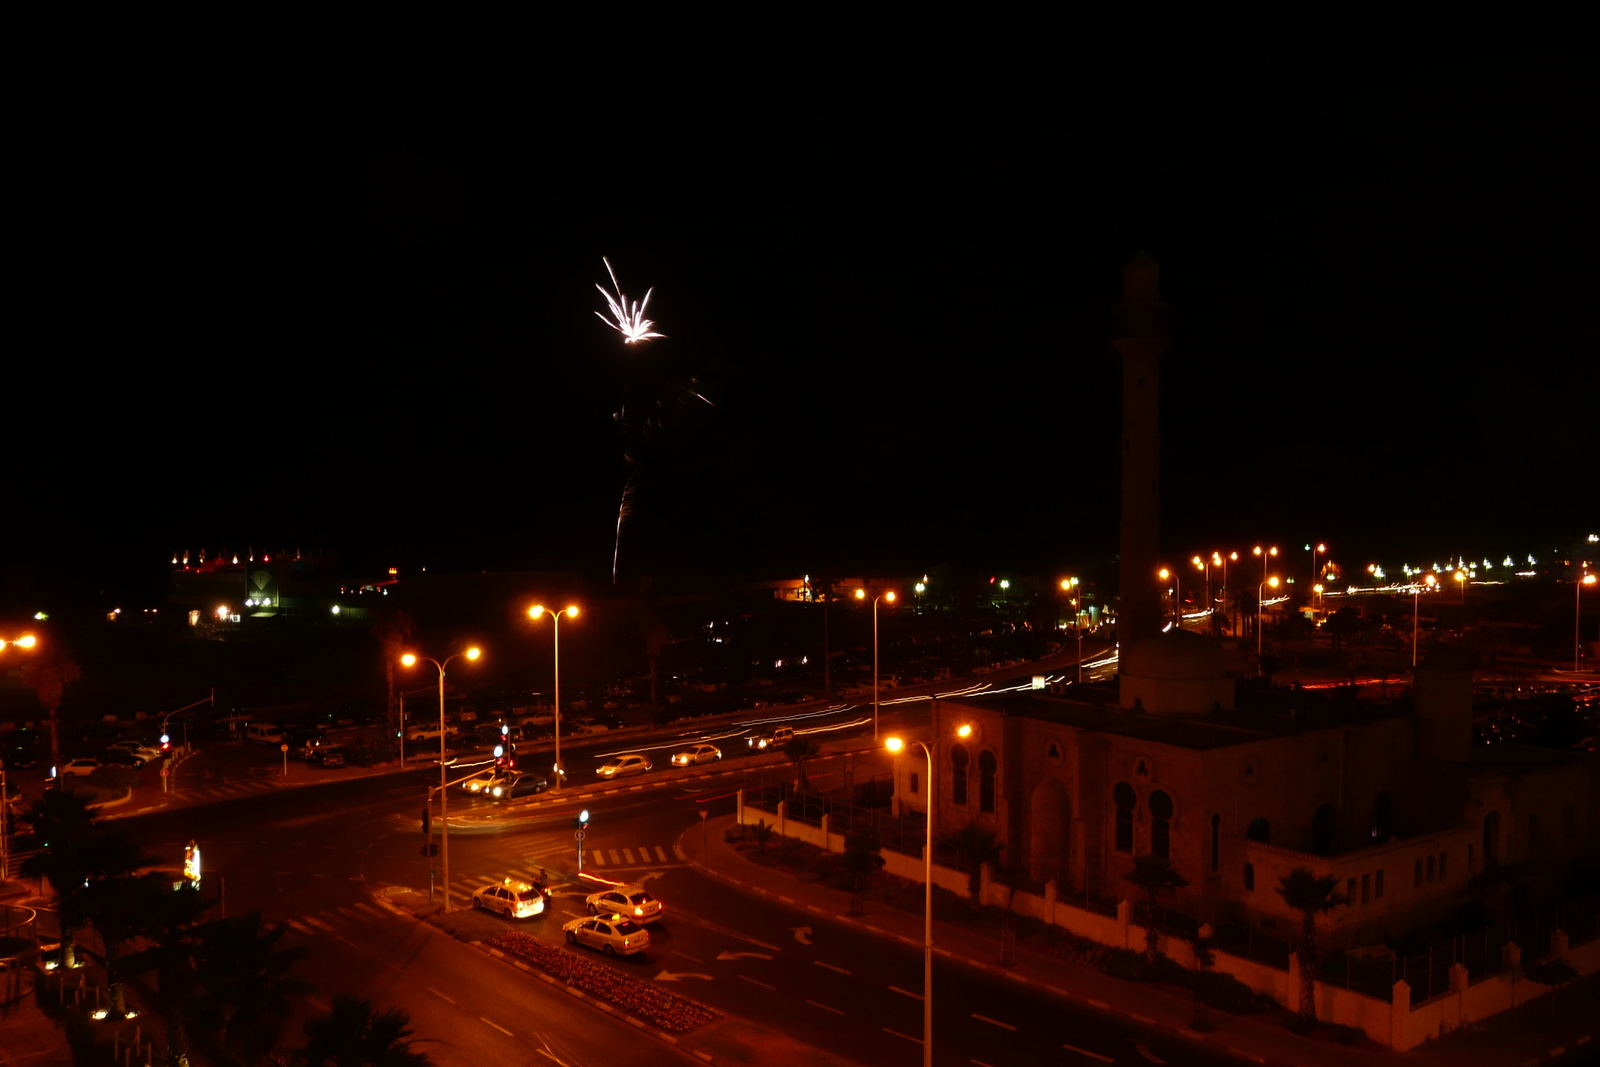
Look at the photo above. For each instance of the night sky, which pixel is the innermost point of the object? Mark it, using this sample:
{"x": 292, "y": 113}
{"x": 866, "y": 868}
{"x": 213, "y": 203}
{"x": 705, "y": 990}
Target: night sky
{"x": 333, "y": 284}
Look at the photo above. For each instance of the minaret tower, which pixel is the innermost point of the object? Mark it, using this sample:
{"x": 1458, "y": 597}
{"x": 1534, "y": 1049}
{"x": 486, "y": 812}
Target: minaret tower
{"x": 1141, "y": 336}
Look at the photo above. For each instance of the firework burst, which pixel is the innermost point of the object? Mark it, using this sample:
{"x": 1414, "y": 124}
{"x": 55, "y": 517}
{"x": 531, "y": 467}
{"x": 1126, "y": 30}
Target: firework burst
{"x": 627, "y": 319}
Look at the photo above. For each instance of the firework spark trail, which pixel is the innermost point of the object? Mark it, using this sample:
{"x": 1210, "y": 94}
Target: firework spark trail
{"x": 626, "y": 319}
{"x": 623, "y": 511}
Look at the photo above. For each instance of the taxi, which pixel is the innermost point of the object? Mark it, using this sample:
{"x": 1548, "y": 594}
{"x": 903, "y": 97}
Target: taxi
{"x": 613, "y": 935}
{"x": 696, "y": 754}
{"x": 483, "y": 781}
{"x": 511, "y": 898}
{"x": 629, "y": 900}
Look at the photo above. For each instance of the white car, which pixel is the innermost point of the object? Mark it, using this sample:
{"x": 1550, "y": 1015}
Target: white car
{"x": 513, "y": 899}
{"x": 484, "y": 781}
{"x": 611, "y": 934}
{"x": 622, "y": 766}
{"x": 144, "y": 752}
{"x": 630, "y": 901}
{"x": 696, "y": 754}
{"x": 80, "y": 768}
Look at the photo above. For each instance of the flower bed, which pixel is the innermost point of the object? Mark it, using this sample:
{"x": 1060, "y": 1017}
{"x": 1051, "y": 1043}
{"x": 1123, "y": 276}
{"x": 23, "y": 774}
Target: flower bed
{"x": 650, "y": 1003}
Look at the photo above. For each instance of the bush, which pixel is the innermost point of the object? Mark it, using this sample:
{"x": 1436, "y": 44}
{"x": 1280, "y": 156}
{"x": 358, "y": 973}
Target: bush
{"x": 1226, "y": 993}
{"x": 1121, "y": 963}
{"x": 1348, "y": 1035}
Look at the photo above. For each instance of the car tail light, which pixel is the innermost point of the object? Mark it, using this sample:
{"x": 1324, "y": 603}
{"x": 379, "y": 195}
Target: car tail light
{"x": 638, "y": 911}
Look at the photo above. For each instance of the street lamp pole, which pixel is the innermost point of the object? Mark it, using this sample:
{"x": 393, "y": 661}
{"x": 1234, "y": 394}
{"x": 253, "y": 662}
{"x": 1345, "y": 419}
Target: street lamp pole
{"x": 1416, "y": 593}
{"x": 571, "y": 612}
{"x": 897, "y": 745}
{"x": 1272, "y": 581}
{"x": 861, "y": 594}
{"x": 1067, "y": 586}
{"x": 409, "y": 659}
{"x": 1577, "y": 614}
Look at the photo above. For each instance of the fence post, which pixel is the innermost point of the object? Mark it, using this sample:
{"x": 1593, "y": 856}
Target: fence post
{"x": 1124, "y": 919}
{"x": 1399, "y": 1016}
{"x": 738, "y": 806}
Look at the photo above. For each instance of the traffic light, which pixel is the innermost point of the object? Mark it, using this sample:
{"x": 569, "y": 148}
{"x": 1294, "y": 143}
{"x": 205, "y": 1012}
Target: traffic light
{"x": 427, "y": 822}
{"x": 580, "y": 821}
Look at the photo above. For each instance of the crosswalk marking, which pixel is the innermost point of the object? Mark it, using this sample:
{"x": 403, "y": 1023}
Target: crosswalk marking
{"x": 371, "y": 912}
{"x": 627, "y": 854}
{"x": 598, "y": 857}
{"x": 661, "y": 854}
{"x": 614, "y": 858}
{"x": 678, "y": 852}
{"x": 349, "y": 913}
{"x": 299, "y": 926}
{"x": 318, "y": 923}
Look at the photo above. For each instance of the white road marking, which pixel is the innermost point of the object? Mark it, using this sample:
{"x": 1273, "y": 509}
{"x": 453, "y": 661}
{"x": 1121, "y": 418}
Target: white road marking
{"x": 905, "y": 992}
{"x": 598, "y": 858}
{"x": 824, "y": 1007}
{"x": 303, "y": 929}
{"x": 1091, "y": 1055}
{"x": 686, "y": 956}
{"x": 547, "y": 1056}
{"x": 497, "y": 1026}
{"x": 319, "y": 924}
{"x": 993, "y": 1022}
{"x": 980, "y": 1063}
{"x": 661, "y": 854}
{"x": 830, "y": 967}
{"x": 763, "y": 985}
{"x": 627, "y": 854}
{"x": 897, "y": 1033}
{"x": 1151, "y": 1056}
{"x": 440, "y": 995}
{"x": 615, "y": 859}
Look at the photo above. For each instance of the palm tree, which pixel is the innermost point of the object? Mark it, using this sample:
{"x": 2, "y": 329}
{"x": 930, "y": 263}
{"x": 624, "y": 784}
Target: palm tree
{"x": 974, "y": 845}
{"x": 1310, "y": 895}
{"x": 76, "y": 852}
{"x": 245, "y": 987}
{"x": 48, "y": 674}
{"x": 863, "y": 856}
{"x": 352, "y": 1035}
{"x": 800, "y": 749}
{"x": 392, "y": 632}
{"x": 170, "y": 922}
{"x": 1154, "y": 875}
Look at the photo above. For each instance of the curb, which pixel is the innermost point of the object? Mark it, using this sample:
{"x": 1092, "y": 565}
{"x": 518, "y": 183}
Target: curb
{"x": 616, "y": 1013}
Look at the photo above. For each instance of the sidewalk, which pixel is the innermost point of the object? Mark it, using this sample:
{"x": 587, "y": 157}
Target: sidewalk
{"x": 1532, "y": 1038}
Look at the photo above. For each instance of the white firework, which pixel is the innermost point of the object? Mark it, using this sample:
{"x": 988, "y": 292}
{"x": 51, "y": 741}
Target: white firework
{"x": 627, "y": 319}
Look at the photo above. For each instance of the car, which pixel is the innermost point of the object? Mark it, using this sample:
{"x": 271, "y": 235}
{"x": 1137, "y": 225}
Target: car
{"x": 484, "y": 780}
{"x": 611, "y": 934}
{"x": 522, "y": 785}
{"x": 631, "y": 901}
{"x": 328, "y": 756}
{"x": 779, "y": 737}
{"x": 622, "y": 766}
{"x": 143, "y": 751}
{"x": 427, "y": 732}
{"x": 696, "y": 754}
{"x": 513, "y": 899}
{"x": 122, "y": 757}
{"x": 80, "y": 768}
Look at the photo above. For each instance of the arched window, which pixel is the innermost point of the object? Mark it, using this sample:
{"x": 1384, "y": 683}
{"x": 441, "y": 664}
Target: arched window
{"x": 1216, "y": 842}
{"x": 1322, "y": 830}
{"x": 1258, "y": 830}
{"x": 1491, "y": 840}
{"x": 1160, "y": 825}
{"x": 987, "y": 765}
{"x": 958, "y": 769}
{"x": 1125, "y": 799}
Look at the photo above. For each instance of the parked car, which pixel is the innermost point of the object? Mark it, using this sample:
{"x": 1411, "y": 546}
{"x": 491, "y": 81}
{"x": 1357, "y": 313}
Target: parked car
{"x": 80, "y": 768}
{"x": 143, "y": 751}
{"x": 328, "y": 756}
{"x": 121, "y": 757}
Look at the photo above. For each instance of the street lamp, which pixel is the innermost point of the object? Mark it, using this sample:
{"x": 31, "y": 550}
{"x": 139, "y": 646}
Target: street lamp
{"x": 897, "y": 745}
{"x": 1317, "y": 549}
{"x": 1202, "y": 564}
{"x": 1577, "y": 613}
{"x": 571, "y": 612}
{"x": 1177, "y": 605}
{"x": 409, "y": 660}
{"x": 1067, "y": 586}
{"x": 1461, "y": 580}
{"x": 861, "y": 594}
{"x": 1273, "y": 582}
{"x": 1416, "y": 592}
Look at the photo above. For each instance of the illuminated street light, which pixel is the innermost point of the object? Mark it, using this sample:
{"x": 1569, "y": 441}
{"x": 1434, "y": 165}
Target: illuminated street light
{"x": 1316, "y": 550}
{"x": 1067, "y": 586}
{"x": 1177, "y": 605}
{"x": 1577, "y": 614}
{"x": 1416, "y": 592}
{"x": 410, "y": 660}
{"x": 1461, "y": 580}
{"x": 861, "y": 594}
{"x": 896, "y": 745}
{"x": 1273, "y": 582}
{"x": 571, "y": 612}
